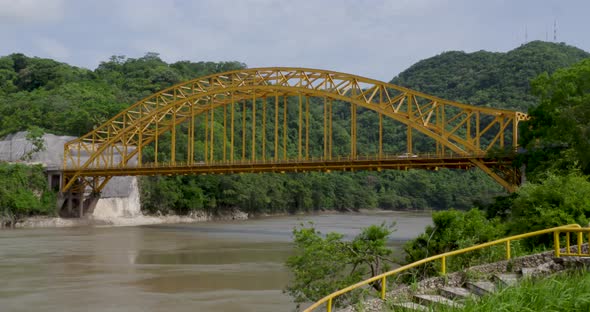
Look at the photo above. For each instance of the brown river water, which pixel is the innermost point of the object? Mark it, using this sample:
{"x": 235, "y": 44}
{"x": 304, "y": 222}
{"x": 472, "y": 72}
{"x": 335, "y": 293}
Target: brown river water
{"x": 208, "y": 266}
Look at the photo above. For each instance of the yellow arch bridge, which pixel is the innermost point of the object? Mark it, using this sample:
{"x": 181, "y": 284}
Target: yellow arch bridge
{"x": 264, "y": 120}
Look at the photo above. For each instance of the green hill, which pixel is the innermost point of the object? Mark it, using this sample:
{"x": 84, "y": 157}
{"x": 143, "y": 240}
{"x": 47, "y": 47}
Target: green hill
{"x": 492, "y": 79}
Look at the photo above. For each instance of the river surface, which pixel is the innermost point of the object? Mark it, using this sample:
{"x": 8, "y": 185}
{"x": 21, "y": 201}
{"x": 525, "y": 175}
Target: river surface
{"x": 209, "y": 266}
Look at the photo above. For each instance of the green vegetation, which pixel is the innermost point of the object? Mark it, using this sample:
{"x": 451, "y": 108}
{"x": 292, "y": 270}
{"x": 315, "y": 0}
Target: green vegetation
{"x": 556, "y": 138}
{"x": 554, "y": 201}
{"x": 452, "y": 230}
{"x": 67, "y": 100}
{"x": 322, "y": 265}
{"x": 23, "y": 192}
{"x": 569, "y": 291}
{"x": 499, "y": 80}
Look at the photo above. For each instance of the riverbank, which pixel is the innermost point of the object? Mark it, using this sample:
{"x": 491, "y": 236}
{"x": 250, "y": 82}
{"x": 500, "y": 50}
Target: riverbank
{"x": 56, "y": 222}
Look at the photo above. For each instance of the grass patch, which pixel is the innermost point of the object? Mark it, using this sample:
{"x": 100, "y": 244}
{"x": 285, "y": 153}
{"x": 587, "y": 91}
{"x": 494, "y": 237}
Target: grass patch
{"x": 569, "y": 291}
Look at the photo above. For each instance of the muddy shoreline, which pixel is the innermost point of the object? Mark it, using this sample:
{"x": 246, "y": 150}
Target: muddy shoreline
{"x": 55, "y": 222}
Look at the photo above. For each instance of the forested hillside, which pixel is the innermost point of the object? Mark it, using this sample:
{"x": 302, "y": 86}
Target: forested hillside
{"x": 500, "y": 80}
{"x": 63, "y": 99}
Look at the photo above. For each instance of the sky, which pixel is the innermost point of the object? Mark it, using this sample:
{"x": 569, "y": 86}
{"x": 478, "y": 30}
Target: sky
{"x": 372, "y": 38}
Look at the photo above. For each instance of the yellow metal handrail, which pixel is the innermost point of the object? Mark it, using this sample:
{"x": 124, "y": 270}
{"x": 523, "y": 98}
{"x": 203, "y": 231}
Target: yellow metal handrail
{"x": 567, "y": 229}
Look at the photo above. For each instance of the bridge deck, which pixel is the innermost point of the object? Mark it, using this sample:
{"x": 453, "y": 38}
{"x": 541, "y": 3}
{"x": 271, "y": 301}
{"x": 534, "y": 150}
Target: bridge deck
{"x": 249, "y": 166}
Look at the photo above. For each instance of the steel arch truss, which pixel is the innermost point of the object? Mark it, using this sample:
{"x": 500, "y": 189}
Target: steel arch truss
{"x": 115, "y": 148}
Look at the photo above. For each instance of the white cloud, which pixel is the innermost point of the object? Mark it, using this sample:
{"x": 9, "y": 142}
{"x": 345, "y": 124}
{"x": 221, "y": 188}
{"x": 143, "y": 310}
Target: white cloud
{"x": 26, "y": 11}
{"x": 144, "y": 15}
{"x": 52, "y": 48}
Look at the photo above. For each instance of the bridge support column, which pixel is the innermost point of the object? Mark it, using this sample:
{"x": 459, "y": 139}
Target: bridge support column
{"x": 68, "y": 200}
{"x": 81, "y": 205}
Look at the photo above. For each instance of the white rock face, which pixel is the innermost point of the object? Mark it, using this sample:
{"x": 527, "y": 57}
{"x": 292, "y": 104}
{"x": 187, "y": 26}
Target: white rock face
{"x": 109, "y": 208}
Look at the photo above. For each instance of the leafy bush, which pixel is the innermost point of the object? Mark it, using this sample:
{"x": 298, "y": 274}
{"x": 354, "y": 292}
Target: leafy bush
{"x": 323, "y": 264}
{"x": 453, "y": 230}
{"x": 24, "y": 192}
{"x": 555, "y": 201}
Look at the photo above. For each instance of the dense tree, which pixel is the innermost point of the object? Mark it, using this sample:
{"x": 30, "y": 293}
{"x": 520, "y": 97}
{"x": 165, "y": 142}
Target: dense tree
{"x": 554, "y": 201}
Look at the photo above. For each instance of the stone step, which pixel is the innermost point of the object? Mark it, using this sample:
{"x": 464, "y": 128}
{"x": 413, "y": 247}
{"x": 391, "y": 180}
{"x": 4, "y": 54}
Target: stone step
{"x": 530, "y": 272}
{"x": 542, "y": 269}
{"x": 432, "y": 300}
{"x": 481, "y": 288}
{"x": 507, "y": 279}
{"x": 409, "y": 306}
{"x": 456, "y": 293}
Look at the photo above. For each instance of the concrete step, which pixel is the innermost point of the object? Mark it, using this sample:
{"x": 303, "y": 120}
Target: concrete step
{"x": 409, "y": 306}
{"x": 436, "y": 300}
{"x": 481, "y": 288}
{"x": 456, "y": 293}
{"x": 507, "y": 279}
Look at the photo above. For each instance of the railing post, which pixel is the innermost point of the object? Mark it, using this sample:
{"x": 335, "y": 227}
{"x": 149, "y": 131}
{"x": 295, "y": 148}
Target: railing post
{"x": 579, "y": 243}
{"x": 329, "y": 307}
{"x": 507, "y": 250}
{"x": 443, "y": 261}
{"x": 383, "y": 288}
{"x": 556, "y": 243}
{"x": 567, "y": 243}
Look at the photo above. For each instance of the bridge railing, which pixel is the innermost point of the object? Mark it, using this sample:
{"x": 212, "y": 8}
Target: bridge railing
{"x": 556, "y": 231}
{"x": 270, "y": 160}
